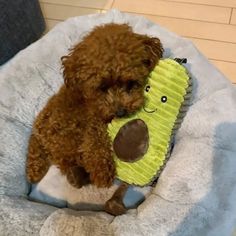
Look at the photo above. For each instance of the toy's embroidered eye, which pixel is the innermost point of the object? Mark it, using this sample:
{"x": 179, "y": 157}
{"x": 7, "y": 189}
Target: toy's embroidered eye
{"x": 163, "y": 99}
{"x": 147, "y": 88}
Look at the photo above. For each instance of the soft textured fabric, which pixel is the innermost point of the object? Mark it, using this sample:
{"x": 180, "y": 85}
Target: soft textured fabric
{"x": 168, "y": 80}
{"x": 55, "y": 190}
{"x": 196, "y": 191}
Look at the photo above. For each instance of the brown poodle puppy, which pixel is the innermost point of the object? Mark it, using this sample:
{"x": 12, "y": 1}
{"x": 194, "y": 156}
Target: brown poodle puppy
{"x": 104, "y": 77}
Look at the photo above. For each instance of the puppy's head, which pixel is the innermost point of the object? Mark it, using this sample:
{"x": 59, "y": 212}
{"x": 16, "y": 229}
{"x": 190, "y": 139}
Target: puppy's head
{"x": 109, "y": 69}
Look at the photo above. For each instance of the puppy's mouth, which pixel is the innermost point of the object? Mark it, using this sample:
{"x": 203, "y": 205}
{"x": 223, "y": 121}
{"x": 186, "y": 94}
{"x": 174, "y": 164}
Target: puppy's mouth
{"x": 109, "y": 119}
{"x": 113, "y": 116}
{"x": 148, "y": 110}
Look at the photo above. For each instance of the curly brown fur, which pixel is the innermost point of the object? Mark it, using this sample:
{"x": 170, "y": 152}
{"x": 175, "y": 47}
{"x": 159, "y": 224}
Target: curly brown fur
{"x": 104, "y": 77}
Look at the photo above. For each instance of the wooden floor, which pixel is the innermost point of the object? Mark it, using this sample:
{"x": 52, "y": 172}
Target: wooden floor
{"x": 210, "y": 24}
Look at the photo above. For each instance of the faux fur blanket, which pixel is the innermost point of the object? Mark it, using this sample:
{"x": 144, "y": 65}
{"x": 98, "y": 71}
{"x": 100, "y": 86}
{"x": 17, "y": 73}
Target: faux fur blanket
{"x": 196, "y": 191}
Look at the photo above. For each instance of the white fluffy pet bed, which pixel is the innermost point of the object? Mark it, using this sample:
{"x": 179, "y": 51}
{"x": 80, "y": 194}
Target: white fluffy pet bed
{"x": 196, "y": 191}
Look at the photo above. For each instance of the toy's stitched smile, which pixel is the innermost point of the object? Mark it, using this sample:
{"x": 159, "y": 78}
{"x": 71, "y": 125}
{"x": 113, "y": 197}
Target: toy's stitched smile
{"x": 149, "y": 111}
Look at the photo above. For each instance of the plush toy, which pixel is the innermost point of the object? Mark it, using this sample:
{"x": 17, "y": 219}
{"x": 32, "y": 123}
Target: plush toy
{"x": 143, "y": 141}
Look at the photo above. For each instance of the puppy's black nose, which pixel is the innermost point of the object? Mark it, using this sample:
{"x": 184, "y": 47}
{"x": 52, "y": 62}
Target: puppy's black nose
{"x": 121, "y": 112}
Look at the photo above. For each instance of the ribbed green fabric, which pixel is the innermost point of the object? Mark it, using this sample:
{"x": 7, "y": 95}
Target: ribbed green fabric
{"x": 168, "y": 79}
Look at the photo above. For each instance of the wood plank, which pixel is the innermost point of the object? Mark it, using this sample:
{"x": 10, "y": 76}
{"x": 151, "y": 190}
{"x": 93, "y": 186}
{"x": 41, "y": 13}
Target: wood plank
{"x": 175, "y": 9}
{"x": 222, "y": 3}
{"x": 216, "y": 50}
{"x": 227, "y": 68}
{"x": 60, "y": 12}
{"x": 233, "y": 19}
{"x": 51, "y": 24}
{"x": 197, "y": 29}
{"x": 101, "y": 4}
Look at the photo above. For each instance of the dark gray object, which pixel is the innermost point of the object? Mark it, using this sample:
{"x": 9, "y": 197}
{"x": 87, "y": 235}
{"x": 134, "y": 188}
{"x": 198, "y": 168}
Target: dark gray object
{"x": 21, "y": 23}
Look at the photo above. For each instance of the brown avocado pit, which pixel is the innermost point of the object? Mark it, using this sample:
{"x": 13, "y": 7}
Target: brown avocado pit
{"x": 132, "y": 141}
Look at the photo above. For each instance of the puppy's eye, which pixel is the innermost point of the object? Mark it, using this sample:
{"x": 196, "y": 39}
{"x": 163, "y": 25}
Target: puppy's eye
{"x": 104, "y": 87}
{"x": 131, "y": 84}
{"x": 163, "y": 99}
{"x": 147, "y": 88}
{"x": 147, "y": 62}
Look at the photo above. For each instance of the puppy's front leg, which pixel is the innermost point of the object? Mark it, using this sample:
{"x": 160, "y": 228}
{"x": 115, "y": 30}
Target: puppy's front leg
{"x": 96, "y": 154}
{"x": 37, "y": 163}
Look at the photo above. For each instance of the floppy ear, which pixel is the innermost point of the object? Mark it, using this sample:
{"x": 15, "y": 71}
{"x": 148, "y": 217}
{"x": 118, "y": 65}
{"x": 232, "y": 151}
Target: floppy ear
{"x": 74, "y": 72}
{"x": 154, "y": 50}
{"x": 70, "y": 70}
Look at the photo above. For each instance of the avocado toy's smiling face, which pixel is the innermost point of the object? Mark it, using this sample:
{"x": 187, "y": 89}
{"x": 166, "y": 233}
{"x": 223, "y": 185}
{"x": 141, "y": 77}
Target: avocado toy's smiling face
{"x": 152, "y": 99}
{"x": 165, "y": 91}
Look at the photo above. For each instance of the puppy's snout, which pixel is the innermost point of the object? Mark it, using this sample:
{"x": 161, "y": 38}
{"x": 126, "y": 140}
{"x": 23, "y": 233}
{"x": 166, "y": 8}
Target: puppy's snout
{"x": 121, "y": 112}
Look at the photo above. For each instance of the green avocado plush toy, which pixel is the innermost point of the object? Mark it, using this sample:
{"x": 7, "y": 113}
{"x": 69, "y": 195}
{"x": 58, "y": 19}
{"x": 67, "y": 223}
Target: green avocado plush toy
{"x": 142, "y": 142}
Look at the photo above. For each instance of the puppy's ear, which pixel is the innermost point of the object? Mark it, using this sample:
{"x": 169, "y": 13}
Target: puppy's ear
{"x": 70, "y": 70}
{"x": 154, "y": 51}
{"x": 73, "y": 68}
